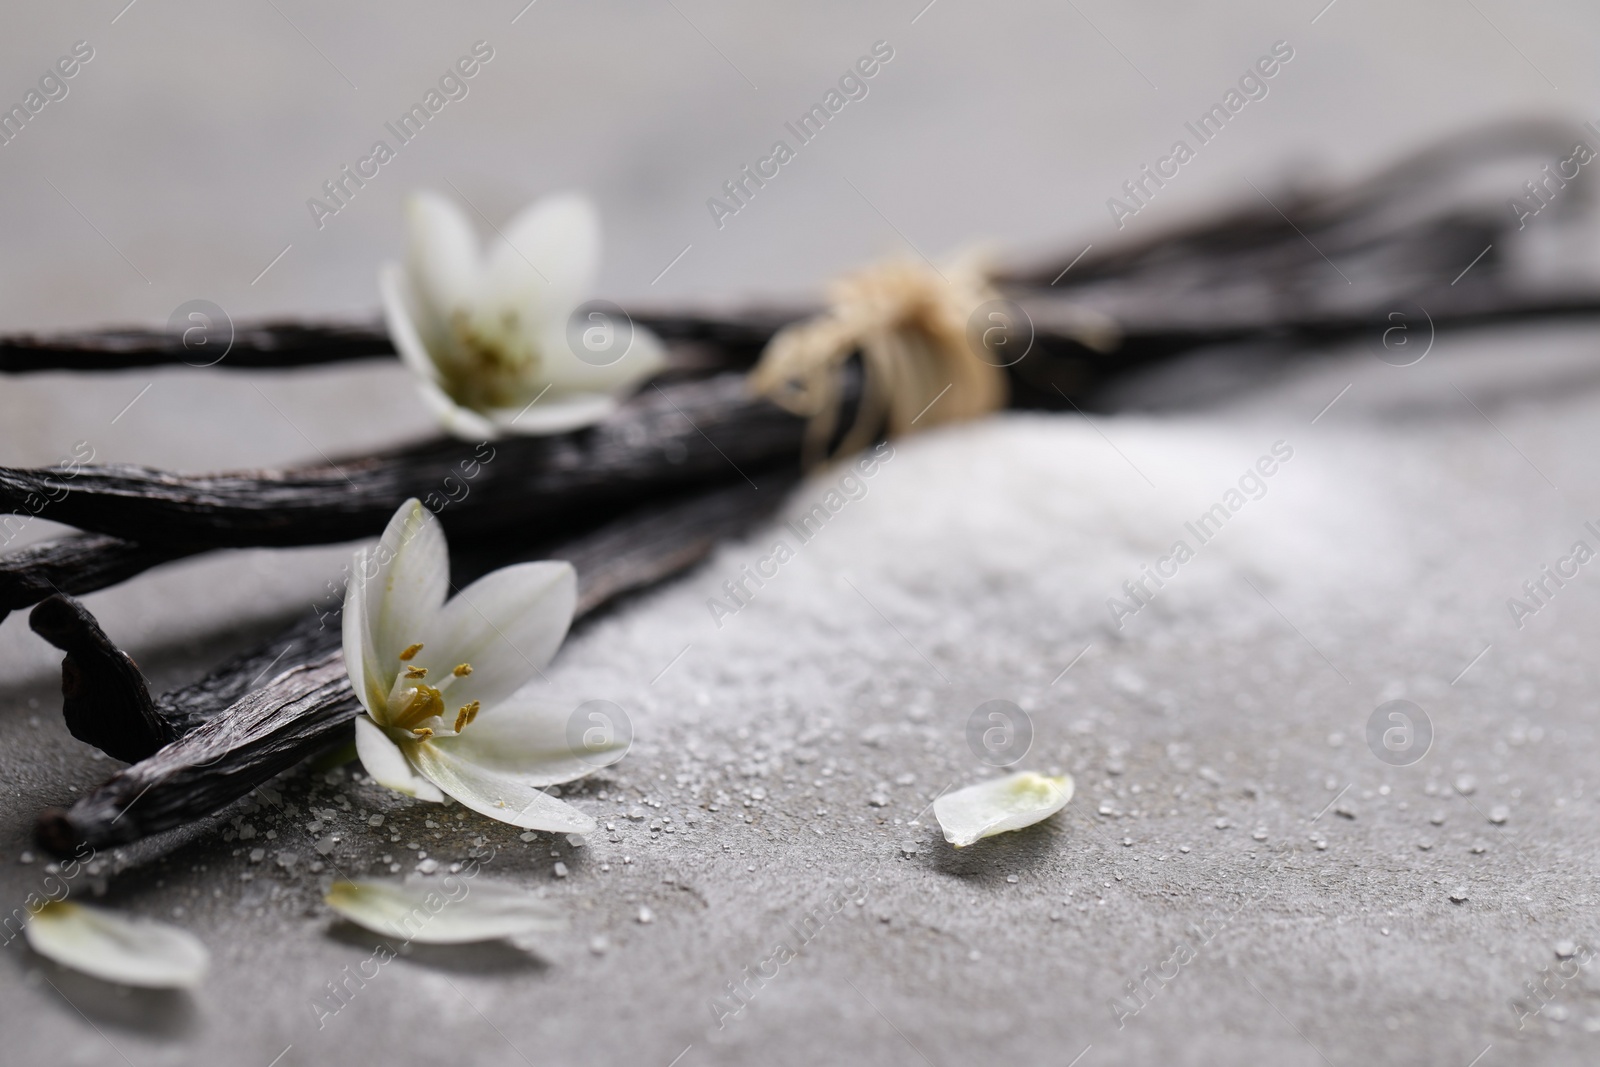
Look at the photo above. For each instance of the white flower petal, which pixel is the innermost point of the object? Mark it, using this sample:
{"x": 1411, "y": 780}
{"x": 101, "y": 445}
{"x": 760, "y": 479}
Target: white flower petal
{"x": 993, "y": 807}
{"x": 507, "y": 796}
{"x": 550, "y": 416}
{"x": 102, "y": 943}
{"x": 413, "y": 328}
{"x": 459, "y": 422}
{"x": 406, "y": 580}
{"x": 387, "y": 764}
{"x": 360, "y": 660}
{"x": 451, "y": 911}
{"x": 582, "y": 394}
{"x": 549, "y": 257}
{"x": 526, "y": 738}
{"x": 645, "y": 356}
{"x": 443, "y": 251}
{"x": 507, "y": 625}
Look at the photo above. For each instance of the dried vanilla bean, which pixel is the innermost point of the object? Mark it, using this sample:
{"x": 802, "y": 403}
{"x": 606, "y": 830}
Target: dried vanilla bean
{"x": 80, "y": 563}
{"x": 665, "y": 440}
{"x": 303, "y": 711}
{"x": 235, "y": 737}
{"x": 104, "y": 697}
{"x": 708, "y": 341}
{"x": 540, "y": 488}
{"x": 266, "y": 344}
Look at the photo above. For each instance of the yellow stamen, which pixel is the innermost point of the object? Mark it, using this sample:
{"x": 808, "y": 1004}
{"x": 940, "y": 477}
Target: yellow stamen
{"x": 423, "y": 704}
{"x": 465, "y": 716}
{"x": 462, "y": 670}
{"x": 416, "y": 672}
{"x": 423, "y": 733}
{"x": 410, "y": 652}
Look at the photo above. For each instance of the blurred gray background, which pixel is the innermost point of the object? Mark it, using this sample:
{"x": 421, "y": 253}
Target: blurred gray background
{"x": 179, "y": 165}
{"x": 197, "y": 133}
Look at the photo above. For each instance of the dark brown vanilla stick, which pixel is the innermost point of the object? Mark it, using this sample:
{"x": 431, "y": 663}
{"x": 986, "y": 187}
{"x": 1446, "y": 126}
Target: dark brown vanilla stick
{"x": 667, "y": 439}
{"x": 542, "y": 488}
{"x": 104, "y": 697}
{"x": 78, "y": 564}
{"x": 236, "y": 737}
{"x": 303, "y": 711}
{"x": 710, "y": 340}
{"x": 266, "y": 344}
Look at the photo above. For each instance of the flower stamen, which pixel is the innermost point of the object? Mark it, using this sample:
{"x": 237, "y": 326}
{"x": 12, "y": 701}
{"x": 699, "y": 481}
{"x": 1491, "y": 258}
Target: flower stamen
{"x": 422, "y": 733}
{"x": 461, "y": 670}
{"x": 416, "y": 672}
{"x": 415, "y": 705}
{"x": 465, "y": 716}
{"x": 410, "y": 652}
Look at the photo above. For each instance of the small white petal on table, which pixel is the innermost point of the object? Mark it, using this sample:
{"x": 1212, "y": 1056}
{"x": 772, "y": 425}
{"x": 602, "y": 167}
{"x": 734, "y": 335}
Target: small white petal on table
{"x": 993, "y": 807}
{"x": 102, "y": 943}
{"x": 448, "y": 912}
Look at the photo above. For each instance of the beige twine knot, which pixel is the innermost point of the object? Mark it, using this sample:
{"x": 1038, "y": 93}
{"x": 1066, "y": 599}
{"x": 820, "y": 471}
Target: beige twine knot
{"x": 909, "y": 322}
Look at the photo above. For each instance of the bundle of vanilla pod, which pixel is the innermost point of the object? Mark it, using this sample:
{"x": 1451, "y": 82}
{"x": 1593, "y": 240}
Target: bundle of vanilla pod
{"x": 628, "y": 446}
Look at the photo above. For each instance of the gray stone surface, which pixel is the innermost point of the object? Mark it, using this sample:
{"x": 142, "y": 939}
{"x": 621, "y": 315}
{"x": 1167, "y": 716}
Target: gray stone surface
{"x": 1218, "y": 739}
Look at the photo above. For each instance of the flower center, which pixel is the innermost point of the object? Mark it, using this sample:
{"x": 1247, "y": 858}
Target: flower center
{"x": 414, "y": 704}
{"x": 490, "y": 361}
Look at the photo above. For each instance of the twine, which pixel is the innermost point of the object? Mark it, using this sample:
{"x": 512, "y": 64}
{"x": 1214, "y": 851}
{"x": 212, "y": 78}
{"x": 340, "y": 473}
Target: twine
{"x": 923, "y": 354}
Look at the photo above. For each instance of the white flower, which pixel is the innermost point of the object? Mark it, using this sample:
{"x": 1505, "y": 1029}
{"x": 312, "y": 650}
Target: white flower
{"x": 425, "y": 669}
{"x": 488, "y": 338}
{"x": 993, "y": 807}
{"x": 100, "y": 942}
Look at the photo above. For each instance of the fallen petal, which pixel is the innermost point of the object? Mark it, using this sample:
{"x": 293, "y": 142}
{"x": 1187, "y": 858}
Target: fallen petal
{"x": 102, "y": 943}
{"x": 442, "y": 913}
{"x": 993, "y": 807}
